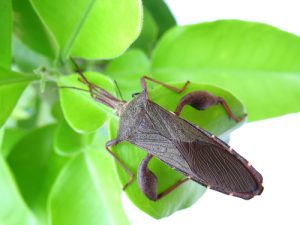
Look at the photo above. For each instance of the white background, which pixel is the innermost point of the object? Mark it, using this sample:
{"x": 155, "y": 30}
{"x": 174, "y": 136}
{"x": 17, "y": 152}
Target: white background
{"x": 272, "y": 146}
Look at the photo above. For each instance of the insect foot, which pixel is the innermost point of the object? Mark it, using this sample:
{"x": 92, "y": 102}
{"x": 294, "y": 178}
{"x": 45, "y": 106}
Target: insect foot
{"x": 129, "y": 182}
{"x": 241, "y": 118}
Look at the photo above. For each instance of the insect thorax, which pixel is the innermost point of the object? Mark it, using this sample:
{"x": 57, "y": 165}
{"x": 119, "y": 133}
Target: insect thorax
{"x": 132, "y": 116}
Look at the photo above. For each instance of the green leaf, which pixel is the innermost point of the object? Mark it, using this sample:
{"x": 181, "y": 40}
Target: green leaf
{"x": 27, "y": 60}
{"x": 12, "y": 85}
{"x": 31, "y": 31}
{"x": 161, "y": 13}
{"x": 148, "y": 34}
{"x": 1, "y": 138}
{"x": 213, "y": 119}
{"x": 127, "y": 71}
{"x": 92, "y": 29}
{"x": 5, "y": 31}
{"x": 256, "y": 62}
{"x": 36, "y": 166}
{"x": 10, "y": 138}
{"x": 81, "y": 111}
{"x": 68, "y": 142}
{"x": 13, "y": 210}
{"x": 86, "y": 192}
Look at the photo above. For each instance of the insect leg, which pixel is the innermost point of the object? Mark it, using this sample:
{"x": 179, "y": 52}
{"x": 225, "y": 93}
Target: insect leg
{"x": 148, "y": 181}
{"x": 202, "y": 100}
{"x": 127, "y": 170}
{"x": 172, "y": 188}
{"x": 144, "y": 85}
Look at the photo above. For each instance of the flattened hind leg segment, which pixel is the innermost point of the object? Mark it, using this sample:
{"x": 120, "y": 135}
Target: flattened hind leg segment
{"x": 148, "y": 181}
{"x": 202, "y": 100}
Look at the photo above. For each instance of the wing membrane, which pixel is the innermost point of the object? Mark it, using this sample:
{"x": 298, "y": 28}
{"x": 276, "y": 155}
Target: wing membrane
{"x": 217, "y": 167}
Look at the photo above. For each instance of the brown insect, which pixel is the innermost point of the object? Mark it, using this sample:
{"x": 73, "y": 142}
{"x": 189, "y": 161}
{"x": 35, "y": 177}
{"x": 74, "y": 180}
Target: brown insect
{"x": 188, "y": 149}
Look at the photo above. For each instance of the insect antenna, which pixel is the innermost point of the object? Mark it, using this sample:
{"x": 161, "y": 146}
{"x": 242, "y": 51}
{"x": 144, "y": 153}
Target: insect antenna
{"x": 79, "y": 71}
{"x": 119, "y": 91}
{"x": 98, "y": 93}
{"x": 93, "y": 87}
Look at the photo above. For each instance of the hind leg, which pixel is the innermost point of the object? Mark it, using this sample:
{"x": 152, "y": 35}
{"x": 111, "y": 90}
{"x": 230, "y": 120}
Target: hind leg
{"x": 144, "y": 85}
{"x": 202, "y": 100}
{"x": 148, "y": 181}
{"x": 127, "y": 170}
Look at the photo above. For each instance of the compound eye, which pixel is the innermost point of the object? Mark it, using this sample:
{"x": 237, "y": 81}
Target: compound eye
{"x": 135, "y": 94}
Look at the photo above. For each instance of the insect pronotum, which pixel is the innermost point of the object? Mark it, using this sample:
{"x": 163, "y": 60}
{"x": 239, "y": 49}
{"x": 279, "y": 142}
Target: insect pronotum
{"x": 190, "y": 150}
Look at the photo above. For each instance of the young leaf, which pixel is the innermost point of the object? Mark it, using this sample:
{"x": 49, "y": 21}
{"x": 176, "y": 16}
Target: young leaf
{"x": 31, "y": 31}
{"x": 161, "y": 13}
{"x": 35, "y": 166}
{"x": 256, "y": 62}
{"x": 92, "y": 29}
{"x": 10, "y": 138}
{"x": 86, "y": 192}
{"x": 26, "y": 59}
{"x": 12, "y": 85}
{"x": 1, "y": 137}
{"x": 148, "y": 34}
{"x": 129, "y": 67}
{"x": 13, "y": 210}
{"x": 81, "y": 111}
{"x": 213, "y": 119}
{"x": 68, "y": 142}
{"x": 5, "y": 31}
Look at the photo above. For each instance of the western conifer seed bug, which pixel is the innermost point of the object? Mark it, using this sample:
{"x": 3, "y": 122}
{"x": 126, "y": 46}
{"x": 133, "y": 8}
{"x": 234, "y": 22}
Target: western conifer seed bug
{"x": 192, "y": 151}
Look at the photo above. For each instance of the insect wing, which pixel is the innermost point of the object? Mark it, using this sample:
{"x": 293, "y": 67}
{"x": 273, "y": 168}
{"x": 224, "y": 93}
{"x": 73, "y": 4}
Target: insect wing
{"x": 219, "y": 169}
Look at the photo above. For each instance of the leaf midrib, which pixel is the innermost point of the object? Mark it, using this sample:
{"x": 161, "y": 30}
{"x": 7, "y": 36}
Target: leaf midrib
{"x": 77, "y": 29}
